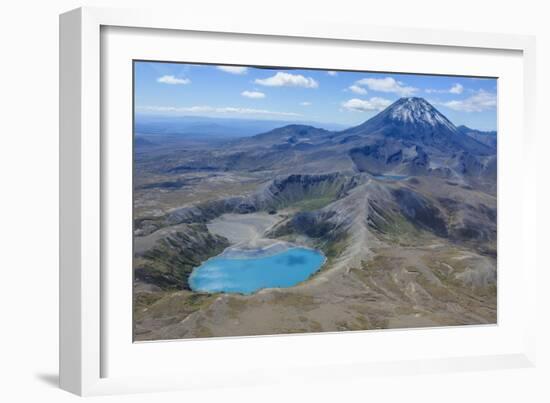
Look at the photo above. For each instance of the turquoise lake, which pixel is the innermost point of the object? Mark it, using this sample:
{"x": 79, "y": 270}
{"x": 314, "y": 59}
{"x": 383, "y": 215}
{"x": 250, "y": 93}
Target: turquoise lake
{"x": 250, "y": 274}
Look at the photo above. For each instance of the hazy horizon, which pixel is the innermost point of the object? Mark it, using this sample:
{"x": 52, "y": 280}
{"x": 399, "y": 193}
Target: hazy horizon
{"x": 323, "y": 97}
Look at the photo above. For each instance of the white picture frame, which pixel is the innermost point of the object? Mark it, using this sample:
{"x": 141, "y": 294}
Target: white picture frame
{"x": 84, "y": 343}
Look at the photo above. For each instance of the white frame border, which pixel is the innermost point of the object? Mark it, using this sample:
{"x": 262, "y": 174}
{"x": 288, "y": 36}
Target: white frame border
{"x": 80, "y": 184}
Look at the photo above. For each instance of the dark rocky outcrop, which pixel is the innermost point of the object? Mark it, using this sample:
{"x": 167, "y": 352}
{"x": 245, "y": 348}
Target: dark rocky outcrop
{"x": 313, "y": 224}
{"x": 172, "y": 258}
{"x": 384, "y": 156}
{"x": 420, "y": 211}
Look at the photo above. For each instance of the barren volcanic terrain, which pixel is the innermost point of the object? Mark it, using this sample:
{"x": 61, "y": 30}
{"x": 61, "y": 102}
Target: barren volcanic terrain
{"x": 403, "y": 207}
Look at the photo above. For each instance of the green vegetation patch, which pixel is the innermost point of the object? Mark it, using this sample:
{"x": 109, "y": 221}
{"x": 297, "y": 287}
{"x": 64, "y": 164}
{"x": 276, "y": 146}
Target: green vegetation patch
{"x": 312, "y": 204}
{"x": 395, "y": 228}
{"x": 334, "y": 248}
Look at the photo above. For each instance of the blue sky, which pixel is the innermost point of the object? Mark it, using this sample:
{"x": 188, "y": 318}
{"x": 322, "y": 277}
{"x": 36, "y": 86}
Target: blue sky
{"x": 341, "y": 97}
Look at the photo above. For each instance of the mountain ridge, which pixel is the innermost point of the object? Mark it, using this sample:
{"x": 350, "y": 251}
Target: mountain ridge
{"x": 487, "y": 137}
{"x": 408, "y": 118}
{"x": 409, "y": 137}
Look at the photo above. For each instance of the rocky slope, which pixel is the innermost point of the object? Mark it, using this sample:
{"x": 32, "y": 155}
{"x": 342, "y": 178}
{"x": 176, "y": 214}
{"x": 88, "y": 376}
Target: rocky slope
{"x": 277, "y": 193}
{"x": 409, "y": 137}
{"x": 167, "y": 260}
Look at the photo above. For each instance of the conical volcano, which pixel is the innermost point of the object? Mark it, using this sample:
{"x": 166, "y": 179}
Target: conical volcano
{"x": 415, "y": 119}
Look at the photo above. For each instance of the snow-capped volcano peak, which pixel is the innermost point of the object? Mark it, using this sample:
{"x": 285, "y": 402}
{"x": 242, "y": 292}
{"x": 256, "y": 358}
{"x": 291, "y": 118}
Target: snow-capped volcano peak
{"x": 417, "y": 111}
{"x": 408, "y": 117}
{"x": 416, "y": 120}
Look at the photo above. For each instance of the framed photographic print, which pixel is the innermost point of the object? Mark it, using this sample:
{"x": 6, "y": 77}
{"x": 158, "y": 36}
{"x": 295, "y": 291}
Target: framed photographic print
{"x": 272, "y": 200}
{"x": 237, "y": 198}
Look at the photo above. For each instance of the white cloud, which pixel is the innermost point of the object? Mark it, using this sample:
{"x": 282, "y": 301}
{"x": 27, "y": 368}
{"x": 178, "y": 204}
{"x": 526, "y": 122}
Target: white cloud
{"x": 169, "y": 79}
{"x": 305, "y": 103}
{"x": 253, "y": 94}
{"x": 387, "y": 84}
{"x": 357, "y": 89}
{"x": 479, "y": 102}
{"x": 206, "y": 109}
{"x": 288, "y": 80}
{"x": 167, "y": 109}
{"x": 233, "y": 69}
{"x": 456, "y": 89}
{"x": 332, "y": 73}
{"x": 373, "y": 104}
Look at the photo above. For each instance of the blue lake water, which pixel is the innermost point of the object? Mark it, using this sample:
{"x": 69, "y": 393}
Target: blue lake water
{"x": 247, "y": 275}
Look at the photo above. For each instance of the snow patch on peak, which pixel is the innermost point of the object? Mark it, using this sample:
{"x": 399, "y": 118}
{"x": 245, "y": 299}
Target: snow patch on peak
{"x": 418, "y": 110}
